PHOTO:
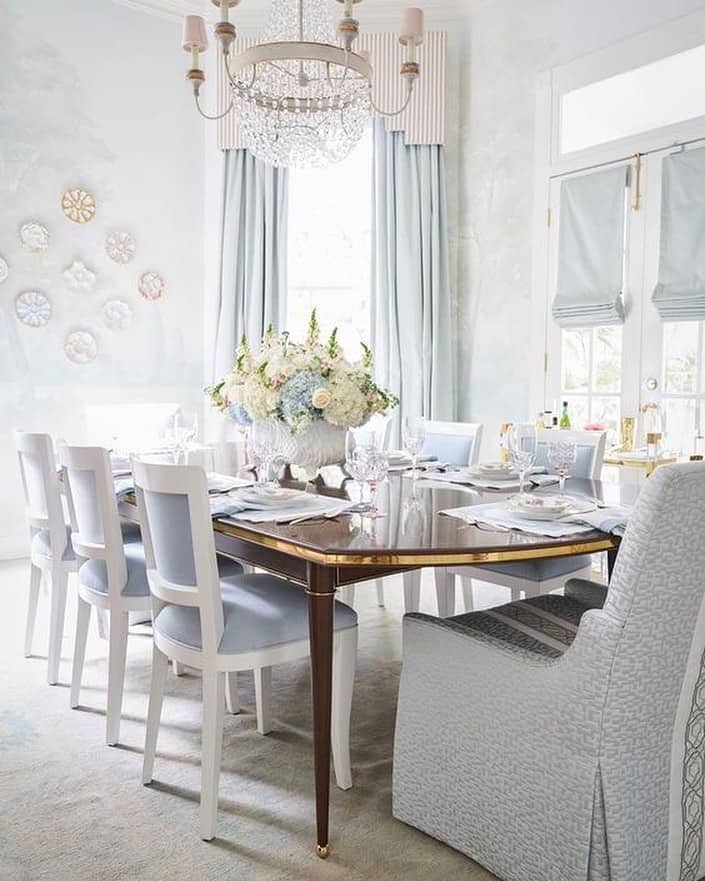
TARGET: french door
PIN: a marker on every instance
(608, 372)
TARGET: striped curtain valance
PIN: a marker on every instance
(423, 121)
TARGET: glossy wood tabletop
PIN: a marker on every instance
(413, 531)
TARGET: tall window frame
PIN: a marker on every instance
(644, 344)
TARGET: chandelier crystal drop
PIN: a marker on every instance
(302, 95)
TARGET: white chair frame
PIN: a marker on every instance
(42, 494)
(445, 589)
(445, 577)
(112, 551)
(214, 666)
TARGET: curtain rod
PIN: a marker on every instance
(676, 145)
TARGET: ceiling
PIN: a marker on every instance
(253, 13)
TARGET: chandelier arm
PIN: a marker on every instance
(213, 116)
(393, 112)
(231, 79)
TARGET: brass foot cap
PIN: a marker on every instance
(322, 851)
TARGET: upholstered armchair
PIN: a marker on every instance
(559, 739)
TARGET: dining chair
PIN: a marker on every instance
(560, 738)
(112, 578)
(222, 625)
(533, 577)
(457, 443)
(113, 575)
(51, 555)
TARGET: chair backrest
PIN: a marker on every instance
(179, 546)
(457, 443)
(95, 521)
(42, 490)
(589, 455)
(652, 740)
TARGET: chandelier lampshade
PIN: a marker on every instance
(301, 94)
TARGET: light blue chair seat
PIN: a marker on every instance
(541, 570)
(93, 574)
(41, 544)
(260, 611)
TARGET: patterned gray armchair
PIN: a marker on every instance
(554, 740)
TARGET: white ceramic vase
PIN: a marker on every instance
(319, 444)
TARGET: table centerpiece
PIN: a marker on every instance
(308, 391)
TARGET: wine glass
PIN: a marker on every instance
(522, 449)
(260, 448)
(561, 457)
(375, 466)
(413, 438)
(355, 463)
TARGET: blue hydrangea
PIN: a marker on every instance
(296, 394)
(239, 415)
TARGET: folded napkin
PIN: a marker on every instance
(500, 515)
(323, 506)
(123, 487)
(222, 483)
(465, 478)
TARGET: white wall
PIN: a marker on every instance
(94, 96)
(508, 43)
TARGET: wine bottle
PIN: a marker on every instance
(565, 416)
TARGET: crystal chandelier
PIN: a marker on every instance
(302, 97)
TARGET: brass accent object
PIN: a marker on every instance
(197, 77)
(322, 851)
(627, 433)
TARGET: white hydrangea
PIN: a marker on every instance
(348, 406)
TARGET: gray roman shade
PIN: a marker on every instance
(680, 292)
(591, 249)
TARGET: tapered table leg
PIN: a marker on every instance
(611, 560)
(321, 592)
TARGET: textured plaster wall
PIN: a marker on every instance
(94, 97)
(508, 42)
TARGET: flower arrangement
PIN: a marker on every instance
(301, 384)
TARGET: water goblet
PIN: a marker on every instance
(522, 449)
(376, 467)
(413, 438)
(355, 463)
(561, 457)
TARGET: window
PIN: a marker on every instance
(591, 375)
(649, 97)
(683, 389)
(330, 212)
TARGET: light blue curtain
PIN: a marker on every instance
(251, 290)
(412, 327)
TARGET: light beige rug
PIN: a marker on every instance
(73, 809)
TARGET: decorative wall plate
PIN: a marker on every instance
(34, 236)
(117, 314)
(4, 270)
(80, 346)
(120, 246)
(79, 277)
(33, 308)
(151, 285)
(78, 205)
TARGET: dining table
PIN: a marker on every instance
(325, 553)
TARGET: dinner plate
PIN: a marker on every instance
(494, 474)
(273, 497)
(547, 511)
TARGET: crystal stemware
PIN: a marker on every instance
(261, 449)
(561, 457)
(522, 449)
(355, 463)
(413, 438)
(376, 467)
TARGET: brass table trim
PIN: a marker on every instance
(394, 558)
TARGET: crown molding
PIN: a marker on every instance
(253, 13)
